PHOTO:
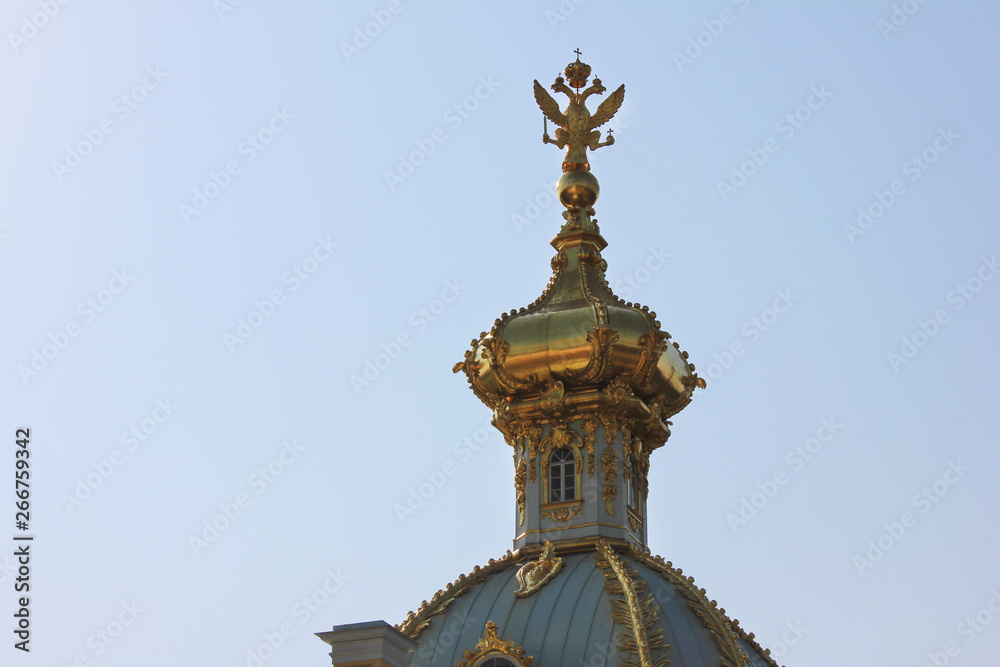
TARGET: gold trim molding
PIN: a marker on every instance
(416, 622)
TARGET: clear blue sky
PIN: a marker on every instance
(215, 215)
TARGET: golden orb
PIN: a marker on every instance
(578, 188)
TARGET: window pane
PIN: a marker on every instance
(562, 475)
(497, 662)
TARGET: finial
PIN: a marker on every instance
(577, 130)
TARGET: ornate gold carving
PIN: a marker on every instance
(619, 391)
(644, 472)
(519, 489)
(491, 643)
(636, 614)
(535, 574)
(471, 369)
(495, 351)
(561, 436)
(579, 219)
(601, 340)
(533, 433)
(558, 261)
(626, 459)
(609, 473)
(577, 127)
(600, 307)
(552, 399)
(416, 621)
(708, 611)
(652, 345)
(589, 427)
(694, 381)
(634, 521)
(614, 415)
(562, 514)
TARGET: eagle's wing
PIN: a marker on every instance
(549, 106)
(608, 108)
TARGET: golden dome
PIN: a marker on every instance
(578, 338)
(578, 346)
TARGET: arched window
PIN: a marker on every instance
(562, 476)
(497, 661)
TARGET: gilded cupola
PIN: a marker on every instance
(581, 385)
(579, 357)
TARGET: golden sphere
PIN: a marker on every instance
(578, 188)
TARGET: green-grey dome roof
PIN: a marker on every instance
(582, 615)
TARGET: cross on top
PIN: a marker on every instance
(578, 54)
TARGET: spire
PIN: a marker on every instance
(580, 382)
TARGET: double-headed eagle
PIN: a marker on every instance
(576, 130)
